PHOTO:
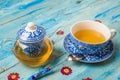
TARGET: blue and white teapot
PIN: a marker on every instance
(30, 39)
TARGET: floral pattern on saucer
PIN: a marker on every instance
(102, 55)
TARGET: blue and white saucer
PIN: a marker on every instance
(100, 56)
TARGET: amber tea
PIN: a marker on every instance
(89, 36)
(34, 61)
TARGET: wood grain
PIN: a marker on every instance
(54, 15)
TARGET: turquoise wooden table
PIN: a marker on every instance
(57, 16)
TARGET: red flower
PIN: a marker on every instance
(98, 21)
(87, 78)
(13, 76)
(66, 70)
(60, 32)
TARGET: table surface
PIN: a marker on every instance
(57, 16)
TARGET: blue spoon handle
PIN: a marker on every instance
(44, 71)
(40, 73)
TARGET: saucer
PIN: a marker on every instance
(100, 56)
(34, 61)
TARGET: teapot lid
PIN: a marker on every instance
(31, 33)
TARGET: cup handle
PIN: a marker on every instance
(113, 33)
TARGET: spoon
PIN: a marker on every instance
(47, 69)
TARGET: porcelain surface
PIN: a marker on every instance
(32, 36)
(101, 55)
(30, 39)
(76, 47)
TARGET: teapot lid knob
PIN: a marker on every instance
(30, 27)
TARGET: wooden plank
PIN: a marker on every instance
(56, 15)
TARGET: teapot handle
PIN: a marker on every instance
(7, 44)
